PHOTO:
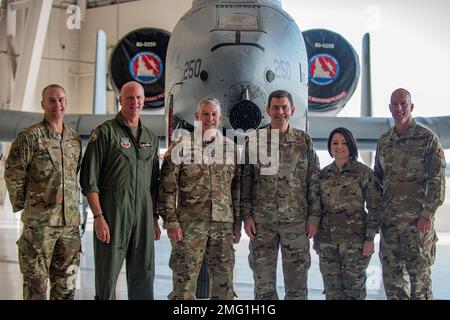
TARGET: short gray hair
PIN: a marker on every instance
(402, 91)
(209, 100)
(52, 86)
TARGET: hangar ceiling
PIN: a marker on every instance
(89, 3)
(102, 3)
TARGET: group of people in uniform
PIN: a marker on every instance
(204, 193)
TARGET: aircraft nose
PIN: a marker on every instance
(245, 115)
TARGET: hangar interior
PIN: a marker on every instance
(68, 46)
(42, 42)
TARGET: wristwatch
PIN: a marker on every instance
(98, 215)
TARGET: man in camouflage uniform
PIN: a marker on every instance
(199, 204)
(119, 176)
(281, 208)
(41, 177)
(350, 195)
(410, 163)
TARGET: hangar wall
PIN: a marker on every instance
(68, 56)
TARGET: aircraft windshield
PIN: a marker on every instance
(238, 21)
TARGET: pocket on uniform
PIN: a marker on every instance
(29, 251)
(192, 170)
(427, 244)
(43, 195)
(414, 167)
(227, 172)
(145, 154)
(300, 169)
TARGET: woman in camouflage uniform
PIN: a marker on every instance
(347, 229)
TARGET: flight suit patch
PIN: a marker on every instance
(125, 143)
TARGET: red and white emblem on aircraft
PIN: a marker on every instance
(323, 69)
(146, 67)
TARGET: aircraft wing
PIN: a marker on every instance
(367, 130)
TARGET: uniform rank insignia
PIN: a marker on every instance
(93, 136)
(125, 142)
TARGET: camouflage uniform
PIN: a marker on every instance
(203, 199)
(281, 205)
(345, 224)
(41, 177)
(123, 170)
(411, 167)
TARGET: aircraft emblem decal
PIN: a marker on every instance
(146, 67)
(323, 69)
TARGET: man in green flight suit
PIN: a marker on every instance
(119, 174)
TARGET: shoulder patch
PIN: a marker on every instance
(94, 136)
(440, 153)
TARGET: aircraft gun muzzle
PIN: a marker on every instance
(245, 115)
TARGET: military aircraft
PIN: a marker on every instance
(239, 52)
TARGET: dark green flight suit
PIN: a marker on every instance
(124, 172)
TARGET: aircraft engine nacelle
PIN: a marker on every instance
(333, 70)
(239, 54)
(140, 56)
